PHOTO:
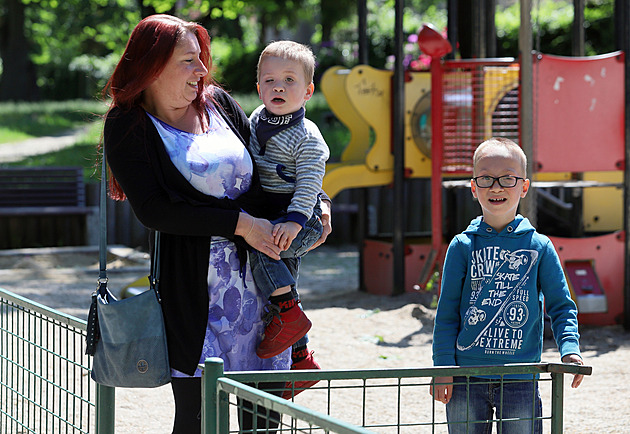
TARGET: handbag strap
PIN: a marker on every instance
(154, 279)
(102, 276)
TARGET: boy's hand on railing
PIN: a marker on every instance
(442, 389)
(574, 358)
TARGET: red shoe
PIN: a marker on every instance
(284, 329)
(291, 390)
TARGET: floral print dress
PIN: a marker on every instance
(217, 163)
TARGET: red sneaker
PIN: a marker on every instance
(284, 329)
(291, 390)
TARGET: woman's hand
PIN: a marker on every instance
(326, 223)
(258, 234)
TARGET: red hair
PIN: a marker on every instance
(148, 50)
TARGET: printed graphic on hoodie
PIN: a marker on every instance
(498, 303)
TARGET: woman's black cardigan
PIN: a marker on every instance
(164, 200)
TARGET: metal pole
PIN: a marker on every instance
(363, 41)
(105, 409)
(451, 28)
(577, 40)
(398, 126)
(557, 399)
(363, 192)
(624, 38)
(210, 417)
(528, 204)
(490, 28)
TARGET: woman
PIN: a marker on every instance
(175, 145)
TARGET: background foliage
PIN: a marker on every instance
(68, 48)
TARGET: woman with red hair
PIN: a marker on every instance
(175, 143)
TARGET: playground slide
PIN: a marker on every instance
(362, 99)
(339, 86)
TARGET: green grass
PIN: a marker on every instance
(24, 120)
(84, 154)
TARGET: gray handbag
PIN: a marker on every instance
(127, 337)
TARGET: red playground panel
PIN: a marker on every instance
(579, 113)
(378, 265)
(605, 253)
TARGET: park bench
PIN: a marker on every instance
(43, 206)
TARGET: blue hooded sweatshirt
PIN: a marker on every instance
(494, 286)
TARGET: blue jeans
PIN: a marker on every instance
(478, 400)
(270, 274)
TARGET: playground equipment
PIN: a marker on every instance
(361, 98)
(579, 129)
(578, 156)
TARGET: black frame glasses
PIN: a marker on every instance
(505, 181)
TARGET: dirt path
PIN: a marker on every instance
(351, 330)
(16, 151)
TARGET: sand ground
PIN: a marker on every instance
(351, 330)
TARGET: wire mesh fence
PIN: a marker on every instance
(45, 384)
(381, 401)
(45, 387)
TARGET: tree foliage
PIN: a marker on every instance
(552, 21)
(61, 49)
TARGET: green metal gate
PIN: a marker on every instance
(374, 400)
(45, 384)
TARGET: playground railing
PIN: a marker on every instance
(45, 384)
(371, 400)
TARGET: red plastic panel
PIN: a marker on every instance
(579, 113)
(606, 252)
(378, 265)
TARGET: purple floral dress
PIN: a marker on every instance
(217, 163)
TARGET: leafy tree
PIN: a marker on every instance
(60, 49)
(18, 81)
(552, 22)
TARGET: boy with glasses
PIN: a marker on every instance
(498, 274)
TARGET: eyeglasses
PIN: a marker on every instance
(505, 181)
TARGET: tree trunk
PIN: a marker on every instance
(18, 81)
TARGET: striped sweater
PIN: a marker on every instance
(298, 153)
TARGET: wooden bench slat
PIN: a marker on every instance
(41, 187)
(47, 210)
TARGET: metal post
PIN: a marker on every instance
(490, 28)
(577, 39)
(398, 126)
(105, 409)
(363, 192)
(557, 396)
(624, 39)
(210, 413)
(437, 152)
(363, 40)
(528, 204)
(452, 16)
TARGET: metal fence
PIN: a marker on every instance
(45, 387)
(45, 384)
(382, 401)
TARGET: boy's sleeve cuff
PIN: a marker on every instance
(444, 361)
(570, 348)
(297, 217)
